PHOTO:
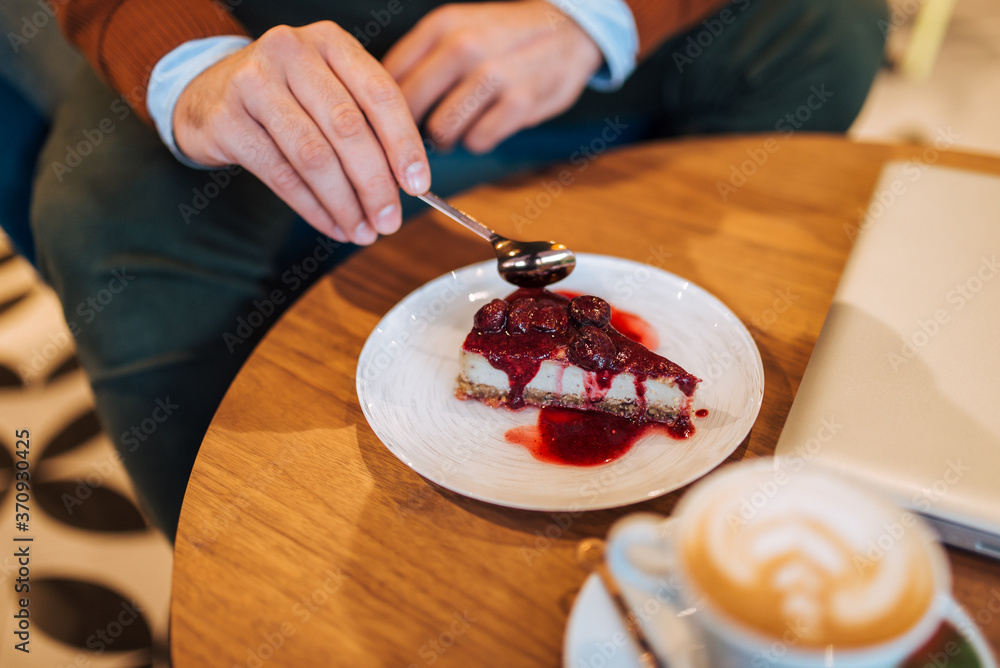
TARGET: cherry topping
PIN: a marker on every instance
(520, 316)
(491, 317)
(550, 319)
(590, 310)
(592, 349)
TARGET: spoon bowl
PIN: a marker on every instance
(533, 264)
(526, 264)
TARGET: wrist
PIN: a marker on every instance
(183, 119)
(611, 26)
(172, 76)
(586, 50)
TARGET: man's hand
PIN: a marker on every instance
(318, 120)
(491, 69)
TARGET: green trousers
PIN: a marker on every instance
(162, 269)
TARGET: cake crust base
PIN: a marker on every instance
(494, 397)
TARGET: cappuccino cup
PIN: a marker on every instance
(777, 568)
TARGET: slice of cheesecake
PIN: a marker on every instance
(539, 348)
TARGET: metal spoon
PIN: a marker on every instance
(526, 264)
(590, 557)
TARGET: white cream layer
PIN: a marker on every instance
(560, 379)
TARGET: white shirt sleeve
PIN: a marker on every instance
(612, 27)
(174, 72)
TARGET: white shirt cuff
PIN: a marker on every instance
(612, 27)
(174, 72)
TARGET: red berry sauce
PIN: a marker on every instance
(580, 438)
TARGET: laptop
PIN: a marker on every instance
(903, 386)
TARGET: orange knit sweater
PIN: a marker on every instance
(124, 39)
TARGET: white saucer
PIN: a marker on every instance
(596, 635)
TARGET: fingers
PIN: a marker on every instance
(313, 161)
(343, 144)
(320, 122)
(523, 103)
(261, 156)
(385, 109)
(415, 44)
(434, 76)
(499, 99)
(463, 106)
(511, 114)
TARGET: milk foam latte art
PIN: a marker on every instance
(808, 557)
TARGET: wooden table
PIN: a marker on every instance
(304, 542)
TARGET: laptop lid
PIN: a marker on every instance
(903, 386)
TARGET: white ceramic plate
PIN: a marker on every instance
(408, 368)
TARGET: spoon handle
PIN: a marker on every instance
(590, 555)
(460, 216)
